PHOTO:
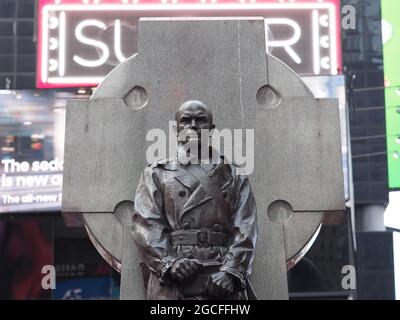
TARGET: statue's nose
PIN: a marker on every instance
(193, 125)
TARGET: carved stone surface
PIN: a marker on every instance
(222, 62)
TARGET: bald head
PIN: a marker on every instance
(194, 115)
(193, 106)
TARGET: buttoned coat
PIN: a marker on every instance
(169, 199)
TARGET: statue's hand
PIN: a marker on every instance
(184, 269)
(220, 284)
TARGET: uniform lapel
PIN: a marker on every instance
(198, 194)
(222, 173)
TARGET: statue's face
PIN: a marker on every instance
(194, 115)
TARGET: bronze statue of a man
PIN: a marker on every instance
(195, 224)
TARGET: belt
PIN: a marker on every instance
(200, 237)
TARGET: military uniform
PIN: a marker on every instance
(183, 214)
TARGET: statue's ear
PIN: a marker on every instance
(211, 131)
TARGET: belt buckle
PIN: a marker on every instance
(202, 237)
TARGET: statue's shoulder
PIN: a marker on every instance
(230, 163)
(166, 164)
(237, 170)
(158, 163)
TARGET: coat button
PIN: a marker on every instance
(182, 193)
(186, 225)
(217, 227)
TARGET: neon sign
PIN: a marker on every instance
(80, 41)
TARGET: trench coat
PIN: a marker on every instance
(169, 199)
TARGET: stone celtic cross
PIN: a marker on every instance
(221, 61)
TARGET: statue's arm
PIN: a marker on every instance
(241, 251)
(150, 225)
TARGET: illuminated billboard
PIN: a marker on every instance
(32, 125)
(391, 53)
(81, 41)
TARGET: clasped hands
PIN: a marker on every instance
(220, 284)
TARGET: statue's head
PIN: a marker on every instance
(194, 122)
(194, 115)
